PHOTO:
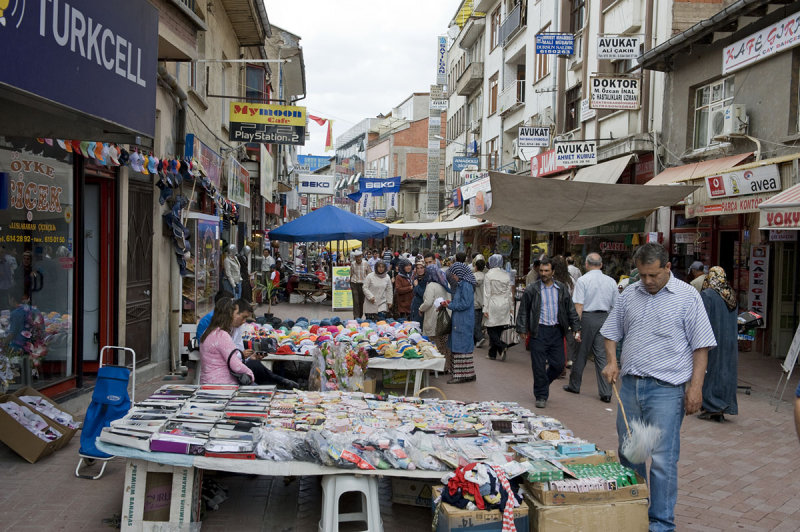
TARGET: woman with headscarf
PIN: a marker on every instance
(377, 292)
(478, 266)
(497, 300)
(403, 288)
(719, 386)
(232, 278)
(462, 284)
(419, 291)
(436, 287)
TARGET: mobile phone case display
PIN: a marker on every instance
(202, 280)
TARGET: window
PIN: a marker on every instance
(576, 10)
(542, 68)
(256, 79)
(495, 28)
(708, 116)
(573, 108)
(493, 94)
(491, 151)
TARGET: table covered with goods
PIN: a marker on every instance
(484, 462)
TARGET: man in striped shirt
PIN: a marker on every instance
(546, 315)
(666, 336)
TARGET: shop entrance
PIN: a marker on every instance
(728, 251)
(784, 309)
(138, 308)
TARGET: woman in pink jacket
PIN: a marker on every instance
(216, 345)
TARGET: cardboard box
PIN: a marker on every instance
(21, 440)
(63, 429)
(370, 384)
(630, 516)
(414, 492)
(451, 519)
(559, 498)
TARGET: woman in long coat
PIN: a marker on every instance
(497, 300)
(435, 287)
(719, 386)
(403, 287)
(420, 283)
(377, 292)
(462, 283)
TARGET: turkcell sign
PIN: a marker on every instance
(613, 93)
(618, 46)
(268, 124)
(319, 184)
(460, 163)
(576, 153)
(555, 43)
(743, 182)
(441, 60)
(88, 55)
(533, 137)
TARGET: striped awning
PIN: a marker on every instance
(781, 211)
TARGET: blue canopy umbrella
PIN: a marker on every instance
(326, 224)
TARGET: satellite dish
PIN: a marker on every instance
(453, 31)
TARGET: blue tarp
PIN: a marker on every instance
(327, 224)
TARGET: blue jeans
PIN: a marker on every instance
(660, 404)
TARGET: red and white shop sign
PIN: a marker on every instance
(788, 218)
(733, 206)
(545, 164)
(744, 182)
(759, 281)
(613, 246)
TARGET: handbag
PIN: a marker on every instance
(510, 335)
(243, 379)
(444, 323)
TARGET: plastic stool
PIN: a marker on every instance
(334, 486)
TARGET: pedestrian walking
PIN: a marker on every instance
(595, 295)
(403, 289)
(697, 275)
(719, 386)
(497, 300)
(436, 287)
(546, 315)
(573, 270)
(561, 273)
(266, 265)
(359, 269)
(462, 343)
(378, 295)
(666, 336)
(420, 283)
(478, 267)
(232, 278)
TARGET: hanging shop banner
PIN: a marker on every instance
(731, 206)
(315, 184)
(533, 137)
(743, 182)
(270, 124)
(94, 57)
(210, 160)
(759, 281)
(505, 240)
(481, 203)
(458, 200)
(439, 105)
(238, 182)
(587, 113)
(778, 235)
(266, 173)
(460, 163)
(613, 246)
(624, 227)
(576, 153)
(775, 38)
(471, 177)
(537, 250)
(314, 162)
(379, 187)
(555, 43)
(607, 92)
(470, 190)
(342, 296)
(441, 60)
(546, 164)
(618, 46)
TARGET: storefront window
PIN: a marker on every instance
(36, 263)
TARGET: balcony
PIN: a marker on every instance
(483, 5)
(473, 29)
(623, 16)
(470, 80)
(512, 97)
(511, 25)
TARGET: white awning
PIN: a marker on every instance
(461, 223)
(781, 211)
(554, 205)
(607, 172)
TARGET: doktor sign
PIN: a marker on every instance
(607, 92)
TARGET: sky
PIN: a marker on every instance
(362, 57)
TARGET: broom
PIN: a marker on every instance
(642, 438)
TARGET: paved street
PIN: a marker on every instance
(737, 475)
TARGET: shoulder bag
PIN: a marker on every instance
(243, 379)
(444, 323)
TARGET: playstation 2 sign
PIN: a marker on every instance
(267, 124)
(93, 56)
(319, 184)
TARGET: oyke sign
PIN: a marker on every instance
(577, 153)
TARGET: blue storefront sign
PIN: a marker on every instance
(314, 162)
(457, 201)
(555, 43)
(96, 56)
(459, 163)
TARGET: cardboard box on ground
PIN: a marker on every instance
(452, 519)
(414, 492)
(66, 431)
(20, 439)
(630, 516)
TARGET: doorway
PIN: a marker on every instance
(783, 316)
(728, 251)
(138, 308)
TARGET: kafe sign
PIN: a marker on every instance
(90, 56)
(533, 137)
(759, 281)
(576, 153)
(546, 164)
(319, 184)
(614, 93)
(775, 38)
(618, 46)
(742, 182)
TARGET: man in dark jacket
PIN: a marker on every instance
(546, 315)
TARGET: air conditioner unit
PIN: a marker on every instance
(735, 119)
(515, 148)
(475, 125)
(716, 123)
